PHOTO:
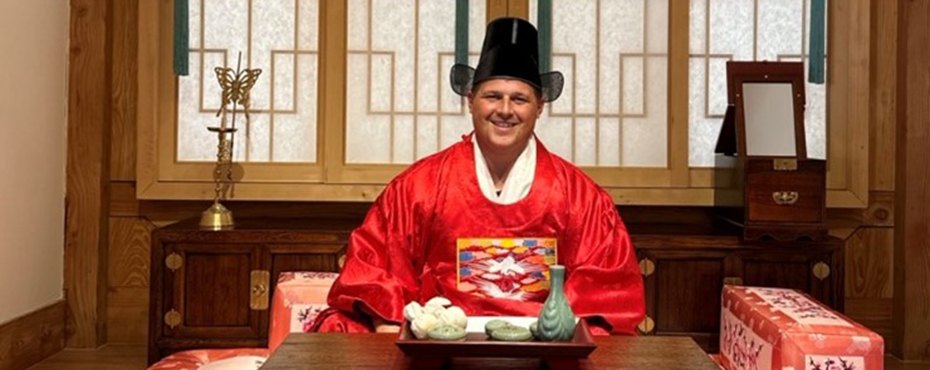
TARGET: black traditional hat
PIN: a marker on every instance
(511, 50)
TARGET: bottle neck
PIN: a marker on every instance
(556, 279)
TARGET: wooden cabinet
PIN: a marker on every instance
(779, 198)
(212, 289)
(209, 293)
(761, 164)
(684, 276)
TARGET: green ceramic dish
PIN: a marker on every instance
(512, 334)
(446, 332)
(534, 328)
(494, 325)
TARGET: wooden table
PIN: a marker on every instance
(378, 351)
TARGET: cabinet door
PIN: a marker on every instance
(210, 292)
(683, 292)
(809, 271)
(776, 270)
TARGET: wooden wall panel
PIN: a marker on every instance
(130, 235)
(879, 212)
(858, 103)
(128, 315)
(870, 249)
(875, 314)
(123, 202)
(870, 232)
(128, 291)
(869, 263)
(837, 48)
(130, 239)
(87, 175)
(884, 94)
(124, 40)
(32, 337)
(912, 189)
(881, 208)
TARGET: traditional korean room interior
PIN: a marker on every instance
(465, 184)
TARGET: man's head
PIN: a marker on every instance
(504, 113)
(506, 92)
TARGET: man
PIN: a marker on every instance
(479, 222)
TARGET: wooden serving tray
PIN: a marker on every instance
(480, 345)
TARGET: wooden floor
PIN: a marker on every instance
(132, 357)
(109, 357)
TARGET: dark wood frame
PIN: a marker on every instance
(479, 345)
(378, 351)
(767, 72)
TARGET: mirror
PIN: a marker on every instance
(768, 100)
(769, 117)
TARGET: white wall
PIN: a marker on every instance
(33, 128)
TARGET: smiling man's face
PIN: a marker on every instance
(504, 114)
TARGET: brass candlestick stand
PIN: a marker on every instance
(236, 86)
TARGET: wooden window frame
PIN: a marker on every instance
(161, 176)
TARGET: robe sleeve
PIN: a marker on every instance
(378, 276)
(603, 282)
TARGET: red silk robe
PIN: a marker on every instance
(406, 248)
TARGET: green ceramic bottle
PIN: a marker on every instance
(556, 319)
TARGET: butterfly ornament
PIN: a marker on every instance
(236, 87)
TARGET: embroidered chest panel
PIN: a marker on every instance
(508, 268)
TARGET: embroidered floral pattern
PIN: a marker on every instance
(798, 307)
(306, 275)
(306, 316)
(743, 353)
(742, 348)
(834, 363)
(507, 268)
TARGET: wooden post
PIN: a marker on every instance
(496, 9)
(88, 169)
(911, 312)
(519, 9)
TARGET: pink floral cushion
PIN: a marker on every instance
(773, 329)
(214, 359)
(298, 300)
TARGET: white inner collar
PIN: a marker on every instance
(518, 182)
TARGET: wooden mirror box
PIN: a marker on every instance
(765, 182)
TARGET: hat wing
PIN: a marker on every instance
(551, 84)
(461, 77)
